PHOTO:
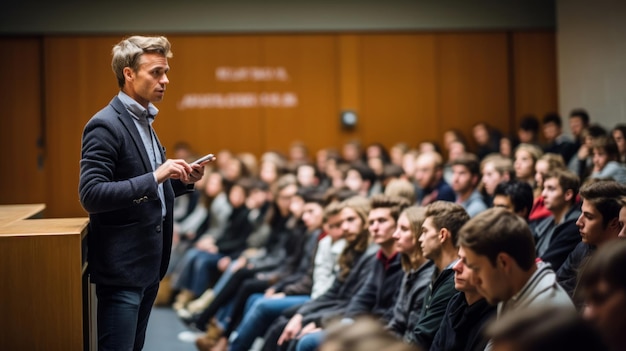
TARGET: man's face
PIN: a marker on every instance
(312, 215)
(405, 242)
(381, 226)
(425, 172)
(554, 198)
(333, 227)
(622, 222)
(148, 83)
(590, 225)
(463, 279)
(551, 131)
(600, 158)
(462, 179)
(576, 126)
(488, 279)
(353, 180)
(605, 307)
(503, 201)
(491, 178)
(430, 239)
(351, 224)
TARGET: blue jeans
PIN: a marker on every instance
(197, 272)
(259, 316)
(122, 316)
(311, 342)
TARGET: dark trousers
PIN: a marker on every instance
(122, 316)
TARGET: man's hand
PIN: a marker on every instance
(291, 330)
(197, 172)
(174, 169)
(309, 328)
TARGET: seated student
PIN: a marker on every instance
(466, 316)
(429, 177)
(495, 169)
(360, 178)
(619, 136)
(500, 251)
(556, 141)
(544, 328)
(546, 163)
(296, 268)
(264, 308)
(465, 177)
(379, 293)
(418, 271)
(514, 196)
(438, 240)
(622, 217)
(557, 235)
(582, 162)
(605, 160)
(205, 265)
(603, 285)
(598, 225)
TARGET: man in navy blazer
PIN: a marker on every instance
(128, 187)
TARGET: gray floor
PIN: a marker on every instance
(163, 329)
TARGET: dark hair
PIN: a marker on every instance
(567, 179)
(497, 230)
(545, 328)
(529, 123)
(449, 215)
(607, 264)
(580, 113)
(520, 193)
(552, 117)
(596, 130)
(469, 161)
(364, 171)
(395, 204)
(608, 145)
(604, 196)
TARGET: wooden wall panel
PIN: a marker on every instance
(193, 72)
(399, 99)
(473, 80)
(534, 74)
(310, 61)
(78, 83)
(21, 177)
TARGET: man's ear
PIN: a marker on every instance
(614, 225)
(569, 195)
(504, 261)
(128, 73)
(444, 234)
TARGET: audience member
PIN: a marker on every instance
(582, 162)
(466, 174)
(557, 235)
(500, 251)
(524, 163)
(438, 240)
(544, 328)
(494, 169)
(487, 139)
(466, 316)
(528, 131)
(418, 272)
(429, 177)
(556, 141)
(514, 196)
(598, 224)
(578, 121)
(605, 164)
(547, 163)
(603, 285)
(619, 136)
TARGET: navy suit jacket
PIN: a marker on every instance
(129, 241)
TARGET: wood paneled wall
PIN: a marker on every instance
(405, 87)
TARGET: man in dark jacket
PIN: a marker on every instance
(557, 235)
(466, 316)
(439, 232)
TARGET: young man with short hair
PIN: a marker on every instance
(438, 240)
(557, 235)
(515, 196)
(500, 250)
(598, 224)
(465, 177)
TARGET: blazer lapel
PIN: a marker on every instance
(126, 120)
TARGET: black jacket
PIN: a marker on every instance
(564, 237)
(408, 307)
(462, 326)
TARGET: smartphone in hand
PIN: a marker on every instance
(203, 159)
